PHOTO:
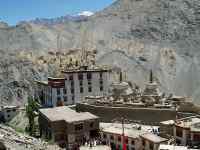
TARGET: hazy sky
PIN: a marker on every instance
(13, 11)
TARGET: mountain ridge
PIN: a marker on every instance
(162, 35)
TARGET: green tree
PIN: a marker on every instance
(31, 112)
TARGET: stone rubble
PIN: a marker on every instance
(19, 141)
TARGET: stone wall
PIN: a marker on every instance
(145, 115)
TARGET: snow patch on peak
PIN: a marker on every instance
(86, 13)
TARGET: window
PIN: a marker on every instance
(65, 98)
(8, 111)
(143, 142)
(127, 147)
(112, 137)
(14, 110)
(91, 124)
(104, 136)
(58, 91)
(179, 132)
(65, 91)
(80, 76)
(151, 146)
(89, 82)
(89, 76)
(78, 127)
(72, 90)
(72, 83)
(101, 81)
(89, 89)
(133, 142)
(126, 140)
(71, 77)
(58, 137)
(58, 98)
(101, 88)
(119, 138)
(81, 83)
(81, 89)
(196, 137)
(100, 74)
(73, 98)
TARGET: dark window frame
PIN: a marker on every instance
(91, 124)
(100, 81)
(78, 127)
(58, 91)
(71, 77)
(89, 75)
(81, 90)
(119, 138)
(73, 98)
(111, 137)
(58, 98)
(133, 142)
(151, 146)
(81, 82)
(89, 89)
(80, 76)
(65, 98)
(72, 90)
(72, 83)
(104, 136)
(100, 75)
(64, 91)
(101, 88)
(89, 82)
(126, 140)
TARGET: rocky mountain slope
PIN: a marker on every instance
(135, 35)
(10, 139)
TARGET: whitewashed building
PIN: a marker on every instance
(73, 87)
(135, 137)
(187, 131)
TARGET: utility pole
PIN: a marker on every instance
(123, 136)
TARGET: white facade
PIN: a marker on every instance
(115, 140)
(173, 147)
(81, 84)
(73, 88)
(187, 131)
(181, 139)
(148, 145)
(135, 138)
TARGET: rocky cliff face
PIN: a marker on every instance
(135, 35)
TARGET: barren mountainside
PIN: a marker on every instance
(135, 35)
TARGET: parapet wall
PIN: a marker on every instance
(145, 115)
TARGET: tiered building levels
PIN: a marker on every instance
(73, 87)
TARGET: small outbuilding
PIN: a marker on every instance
(67, 127)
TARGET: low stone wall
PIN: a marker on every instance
(145, 115)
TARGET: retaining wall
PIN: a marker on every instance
(145, 115)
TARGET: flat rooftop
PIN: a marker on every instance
(153, 138)
(99, 147)
(172, 147)
(81, 69)
(42, 82)
(168, 122)
(67, 114)
(189, 122)
(130, 130)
